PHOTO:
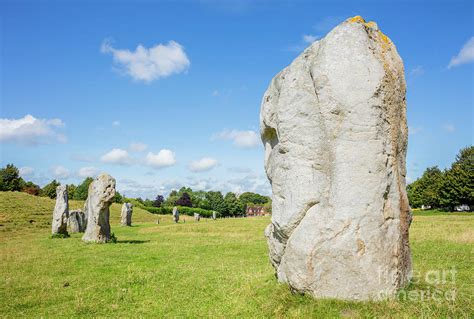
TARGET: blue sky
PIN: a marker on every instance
(183, 108)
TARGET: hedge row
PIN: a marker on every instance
(183, 210)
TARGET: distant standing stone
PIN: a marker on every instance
(127, 210)
(197, 217)
(77, 221)
(61, 211)
(175, 214)
(101, 193)
(214, 215)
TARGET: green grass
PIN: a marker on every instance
(211, 269)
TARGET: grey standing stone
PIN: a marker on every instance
(126, 215)
(175, 214)
(61, 211)
(333, 124)
(197, 217)
(99, 199)
(77, 221)
(214, 215)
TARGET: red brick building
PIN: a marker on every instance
(255, 211)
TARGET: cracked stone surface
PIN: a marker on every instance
(96, 209)
(61, 211)
(126, 214)
(333, 124)
(77, 221)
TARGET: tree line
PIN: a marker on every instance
(446, 189)
(229, 204)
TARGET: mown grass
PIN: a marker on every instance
(211, 269)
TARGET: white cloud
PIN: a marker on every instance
(159, 61)
(117, 156)
(162, 159)
(88, 171)
(60, 172)
(203, 164)
(309, 38)
(138, 147)
(466, 55)
(26, 171)
(242, 139)
(31, 131)
(116, 123)
(449, 128)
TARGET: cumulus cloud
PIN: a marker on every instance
(161, 159)
(60, 172)
(26, 171)
(242, 139)
(31, 131)
(137, 147)
(88, 171)
(203, 164)
(148, 64)
(466, 55)
(117, 156)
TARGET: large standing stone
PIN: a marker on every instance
(101, 193)
(77, 221)
(175, 214)
(127, 210)
(61, 211)
(334, 128)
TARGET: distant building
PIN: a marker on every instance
(255, 211)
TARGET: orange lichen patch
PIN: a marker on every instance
(371, 24)
(356, 19)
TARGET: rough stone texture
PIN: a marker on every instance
(77, 221)
(126, 216)
(61, 211)
(101, 193)
(175, 214)
(333, 124)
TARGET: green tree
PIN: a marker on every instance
(118, 198)
(215, 201)
(83, 189)
(49, 190)
(233, 206)
(425, 190)
(10, 179)
(253, 198)
(71, 189)
(457, 186)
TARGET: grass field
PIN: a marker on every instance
(211, 268)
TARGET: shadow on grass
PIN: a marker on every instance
(133, 241)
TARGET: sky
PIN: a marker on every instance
(164, 94)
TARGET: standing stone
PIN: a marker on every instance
(61, 211)
(77, 221)
(99, 199)
(175, 214)
(334, 128)
(214, 215)
(197, 217)
(127, 210)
